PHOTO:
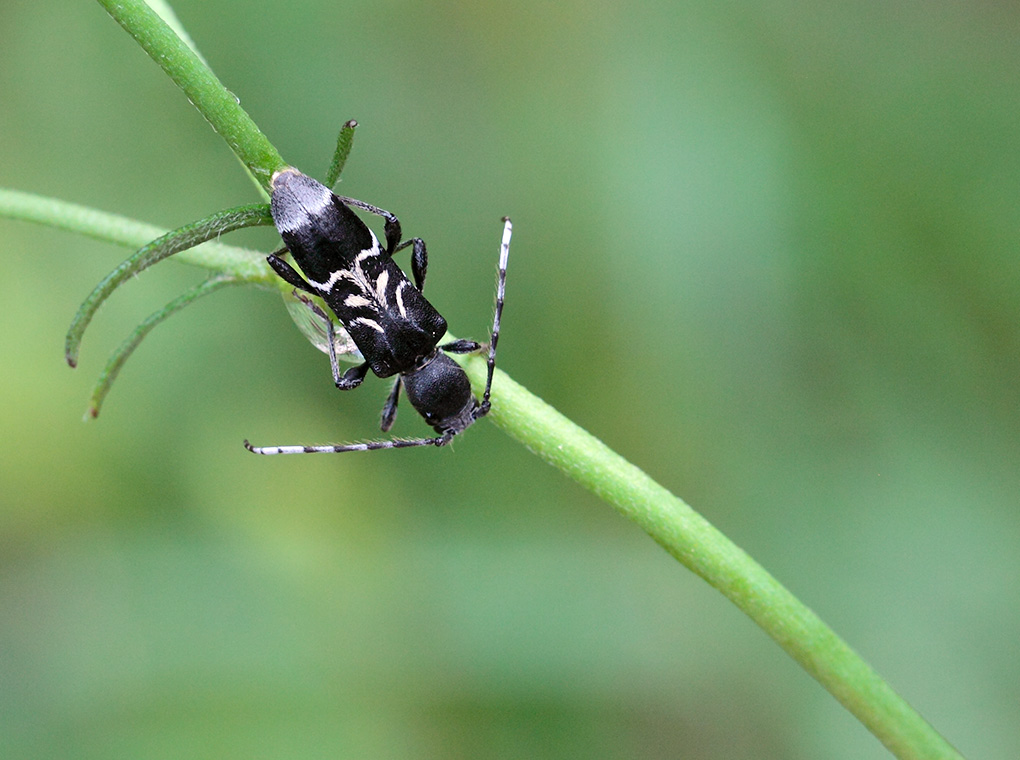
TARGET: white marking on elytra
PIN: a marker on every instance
(400, 298)
(334, 276)
(357, 275)
(356, 301)
(368, 323)
(380, 287)
(368, 253)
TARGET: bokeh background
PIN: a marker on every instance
(767, 251)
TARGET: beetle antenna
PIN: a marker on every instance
(504, 254)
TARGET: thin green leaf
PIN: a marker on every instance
(344, 141)
(124, 351)
(173, 242)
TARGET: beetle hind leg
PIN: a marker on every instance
(389, 412)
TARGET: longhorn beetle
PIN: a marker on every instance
(396, 330)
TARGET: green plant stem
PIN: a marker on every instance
(169, 15)
(703, 549)
(219, 106)
(241, 264)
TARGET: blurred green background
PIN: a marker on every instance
(767, 251)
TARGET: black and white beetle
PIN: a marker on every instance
(396, 330)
